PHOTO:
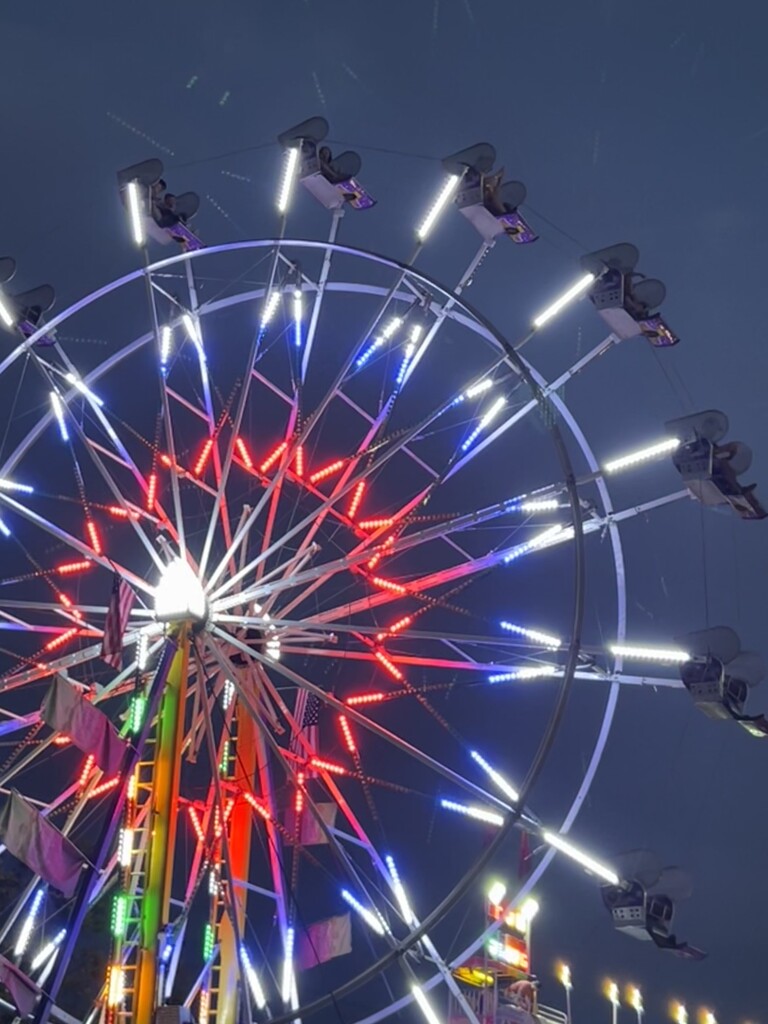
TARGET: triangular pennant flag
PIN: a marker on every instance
(310, 832)
(325, 940)
(67, 711)
(37, 843)
(23, 990)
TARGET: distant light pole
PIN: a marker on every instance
(679, 1013)
(565, 979)
(612, 994)
(635, 1000)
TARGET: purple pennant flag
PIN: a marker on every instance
(23, 990)
(34, 841)
(325, 940)
(68, 712)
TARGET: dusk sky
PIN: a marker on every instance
(644, 123)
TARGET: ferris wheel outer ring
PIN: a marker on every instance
(475, 320)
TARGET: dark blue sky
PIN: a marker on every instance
(639, 122)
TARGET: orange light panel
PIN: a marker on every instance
(93, 536)
(243, 452)
(393, 670)
(374, 524)
(151, 491)
(365, 698)
(270, 460)
(357, 497)
(203, 457)
(68, 568)
(346, 732)
(61, 639)
(327, 471)
(327, 766)
(396, 588)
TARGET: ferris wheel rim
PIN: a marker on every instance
(479, 321)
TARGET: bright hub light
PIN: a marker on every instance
(134, 212)
(533, 634)
(559, 304)
(672, 655)
(424, 1005)
(179, 595)
(5, 313)
(446, 192)
(612, 993)
(642, 455)
(289, 176)
(564, 975)
(586, 861)
(496, 777)
(496, 893)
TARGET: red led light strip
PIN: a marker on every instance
(327, 471)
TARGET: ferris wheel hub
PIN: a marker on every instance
(180, 595)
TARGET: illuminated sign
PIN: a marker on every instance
(509, 950)
(474, 976)
(514, 919)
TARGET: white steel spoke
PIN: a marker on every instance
(320, 293)
(303, 598)
(367, 723)
(533, 403)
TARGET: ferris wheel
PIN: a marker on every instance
(288, 569)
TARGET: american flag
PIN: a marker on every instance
(120, 604)
(306, 712)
